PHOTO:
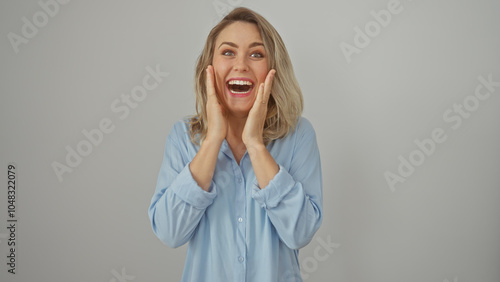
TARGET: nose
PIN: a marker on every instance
(240, 64)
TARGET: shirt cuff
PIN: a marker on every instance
(271, 195)
(186, 188)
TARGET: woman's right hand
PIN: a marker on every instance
(216, 116)
(203, 164)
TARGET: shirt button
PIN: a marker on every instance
(239, 180)
(240, 219)
(241, 259)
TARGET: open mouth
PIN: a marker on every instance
(239, 86)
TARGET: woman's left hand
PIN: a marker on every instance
(254, 126)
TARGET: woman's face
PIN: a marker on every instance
(240, 66)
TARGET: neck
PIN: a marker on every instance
(235, 128)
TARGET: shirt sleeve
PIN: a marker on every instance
(293, 198)
(179, 202)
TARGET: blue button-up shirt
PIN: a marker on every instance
(237, 231)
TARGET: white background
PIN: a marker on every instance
(442, 223)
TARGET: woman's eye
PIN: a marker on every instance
(257, 55)
(228, 53)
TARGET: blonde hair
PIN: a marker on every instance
(285, 103)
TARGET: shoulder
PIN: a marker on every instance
(304, 123)
(180, 131)
(304, 127)
(302, 133)
(181, 126)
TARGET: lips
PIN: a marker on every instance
(239, 86)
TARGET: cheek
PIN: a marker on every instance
(220, 72)
(219, 68)
(219, 62)
(220, 83)
(261, 72)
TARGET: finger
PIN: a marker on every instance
(260, 94)
(210, 81)
(211, 91)
(268, 85)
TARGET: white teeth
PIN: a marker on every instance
(238, 92)
(239, 82)
(235, 89)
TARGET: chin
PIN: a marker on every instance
(240, 109)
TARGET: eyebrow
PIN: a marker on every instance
(254, 44)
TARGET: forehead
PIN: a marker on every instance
(241, 33)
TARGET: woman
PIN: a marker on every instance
(241, 180)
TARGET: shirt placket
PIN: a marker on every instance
(240, 219)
